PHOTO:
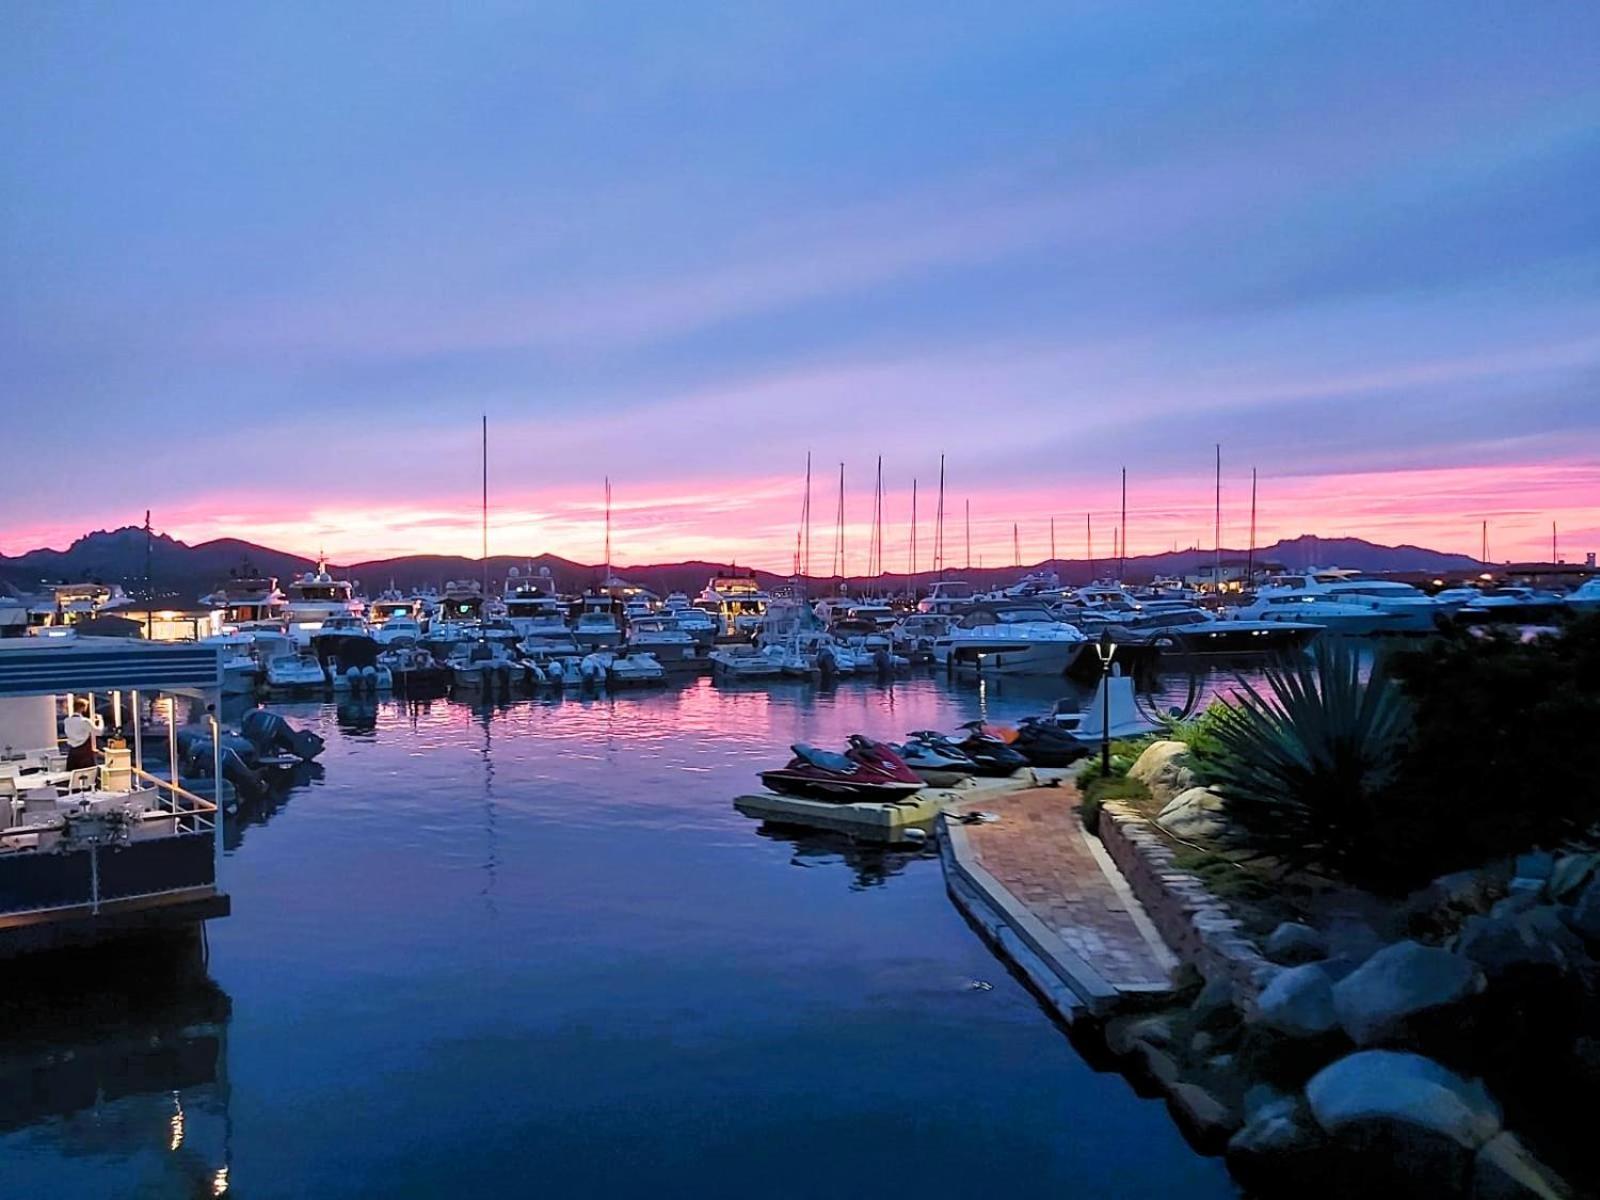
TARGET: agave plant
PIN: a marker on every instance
(1306, 765)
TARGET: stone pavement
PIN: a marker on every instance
(1051, 879)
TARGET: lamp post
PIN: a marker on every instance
(1105, 649)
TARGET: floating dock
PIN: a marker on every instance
(907, 820)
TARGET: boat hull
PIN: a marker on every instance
(790, 783)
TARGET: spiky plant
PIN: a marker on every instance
(1306, 765)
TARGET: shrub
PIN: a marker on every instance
(1306, 770)
(1097, 791)
(1500, 755)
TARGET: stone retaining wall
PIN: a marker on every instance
(1198, 926)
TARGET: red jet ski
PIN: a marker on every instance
(868, 770)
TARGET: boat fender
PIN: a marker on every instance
(915, 836)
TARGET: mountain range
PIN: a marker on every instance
(179, 570)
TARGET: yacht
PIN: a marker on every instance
(1299, 607)
(630, 669)
(1407, 609)
(529, 597)
(947, 597)
(1010, 639)
(1189, 630)
(315, 597)
(482, 666)
(597, 627)
(658, 634)
(1512, 604)
(1585, 597)
(240, 669)
(393, 606)
(738, 601)
(699, 624)
(249, 600)
(913, 635)
(295, 670)
(398, 631)
(739, 661)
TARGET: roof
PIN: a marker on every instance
(45, 666)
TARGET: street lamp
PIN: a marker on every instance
(1105, 649)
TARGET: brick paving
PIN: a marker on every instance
(1039, 852)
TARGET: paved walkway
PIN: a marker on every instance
(1053, 882)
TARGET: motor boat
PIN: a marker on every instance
(1294, 607)
(240, 670)
(482, 666)
(1511, 604)
(414, 670)
(936, 759)
(1186, 630)
(392, 606)
(398, 631)
(658, 634)
(914, 634)
(633, 669)
(597, 626)
(739, 661)
(312, 599)
(866, 771)
(737, 601)
(946, 597)
(1010, 639)
(249, 600)
(1585, 597)
(295, 671)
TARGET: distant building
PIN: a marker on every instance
(1234, 574)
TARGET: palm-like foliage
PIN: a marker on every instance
(1307, 765)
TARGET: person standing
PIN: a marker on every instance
(78, 729)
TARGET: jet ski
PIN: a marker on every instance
(868, 770)
(1045, 744)
(989, 750)
(934, 757)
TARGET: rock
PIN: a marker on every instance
(1506, 1171)
(1208, 1120)
(1379, 1000)
(1406, 1122)
(1298, 1003)
(1571, 873)
(1164, 769)
(1124, 1033)
(1534, 941)
(1278, 1151)
(1155, 1064)
(1583, 918)
(1293, 943)
(1202, 1044)
(1213, 1009)
(1195, 814)
(1260, 1097)
(1519, 902)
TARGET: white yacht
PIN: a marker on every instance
(1585, 597)
(392, 606)
(659, 634)
(239, 666)
(398, 631)
(249, 600)
(738, 601)
(482, 665)
(1010, 639)
(1299, 607)
(596, 627)
(315, 597)
(947, 597)
(741, 661)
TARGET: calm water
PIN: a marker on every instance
(533, 950)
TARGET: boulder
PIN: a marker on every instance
(1403, 1121)
(1533, 941)
(1124, 1033)
(1207, 1120)
(1532, 871)
(1196, 813)
(1583, 918)
(1298, 1003)
(1570, 874)
(1279, 1151)
(1214, 1009)
(1382, 999)
(1259, 1097)
(1504, 1170)
(1164, 769)
(1293, 943)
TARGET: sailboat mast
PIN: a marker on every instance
(1052, 540)
(1554, 558)
(875, 547)
(805, 521)
(486, 506)
(838, 529)
(606, 582)
(1016, 546)
(1216, 572)
(938, 525)
(1483, 555)
(1122, 551)
(913, 565)
(1088, 538)
(1250, 559)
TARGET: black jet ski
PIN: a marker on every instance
(992, 754)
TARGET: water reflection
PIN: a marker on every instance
(116, 1055)
(871, 864)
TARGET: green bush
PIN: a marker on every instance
(1306, 770)
(1095, 792)
(1500, 754)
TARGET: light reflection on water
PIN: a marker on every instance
(530, 948)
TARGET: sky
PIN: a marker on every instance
(263, 268)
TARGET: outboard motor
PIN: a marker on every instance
(273, 735)
(198, 760)
(827, 663)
